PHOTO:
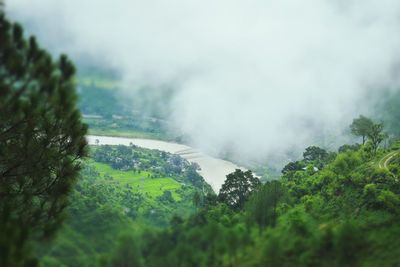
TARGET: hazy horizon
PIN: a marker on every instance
(259, 77)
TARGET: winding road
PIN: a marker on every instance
(383, 162)
(213, 170)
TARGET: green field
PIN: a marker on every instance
(124, 133)
(141, 181)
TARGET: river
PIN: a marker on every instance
(213, 170)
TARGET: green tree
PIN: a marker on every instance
(345, 148)
(166, 197)
(197, 199)
(262, 207)
(127, 253)
(237, 188)
(314, 153)
(376, 136)
(293, 167)
(361, 126)
(348, 243)
(42, 141)
(346, 162)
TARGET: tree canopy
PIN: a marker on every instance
(376, 136)
(361, 126)
(42, 140)
(369, 131)
(262, 206)
(237, 188)
(314, 153)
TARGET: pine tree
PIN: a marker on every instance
(42, 141)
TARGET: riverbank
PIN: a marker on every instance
(213, 170)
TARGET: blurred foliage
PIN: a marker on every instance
(109, 109)
(42, 142)
(345, 214)
(107, 214)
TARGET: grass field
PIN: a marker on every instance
(126, 133)
(142, 181)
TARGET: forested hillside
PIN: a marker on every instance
(327, 209)
(108, 111)
(338, 210)
(122, 191)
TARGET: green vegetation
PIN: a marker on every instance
(122, 191)
(108, 112)
(237, 188)
(118, 118)
(42, 141)
(140, 207)
(344, 213)
(129, 133)
(92, 101)
(141, 179)
(361, 127)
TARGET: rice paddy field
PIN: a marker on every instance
(144, 182)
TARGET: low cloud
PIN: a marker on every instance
(255, 77)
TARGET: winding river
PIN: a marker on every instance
(213, 170)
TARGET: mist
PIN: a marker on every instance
(257, 78)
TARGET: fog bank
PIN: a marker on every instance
(255, 77)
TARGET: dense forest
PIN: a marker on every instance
(65, 203)
(342, 213)
(122, 191)
(327, 209)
